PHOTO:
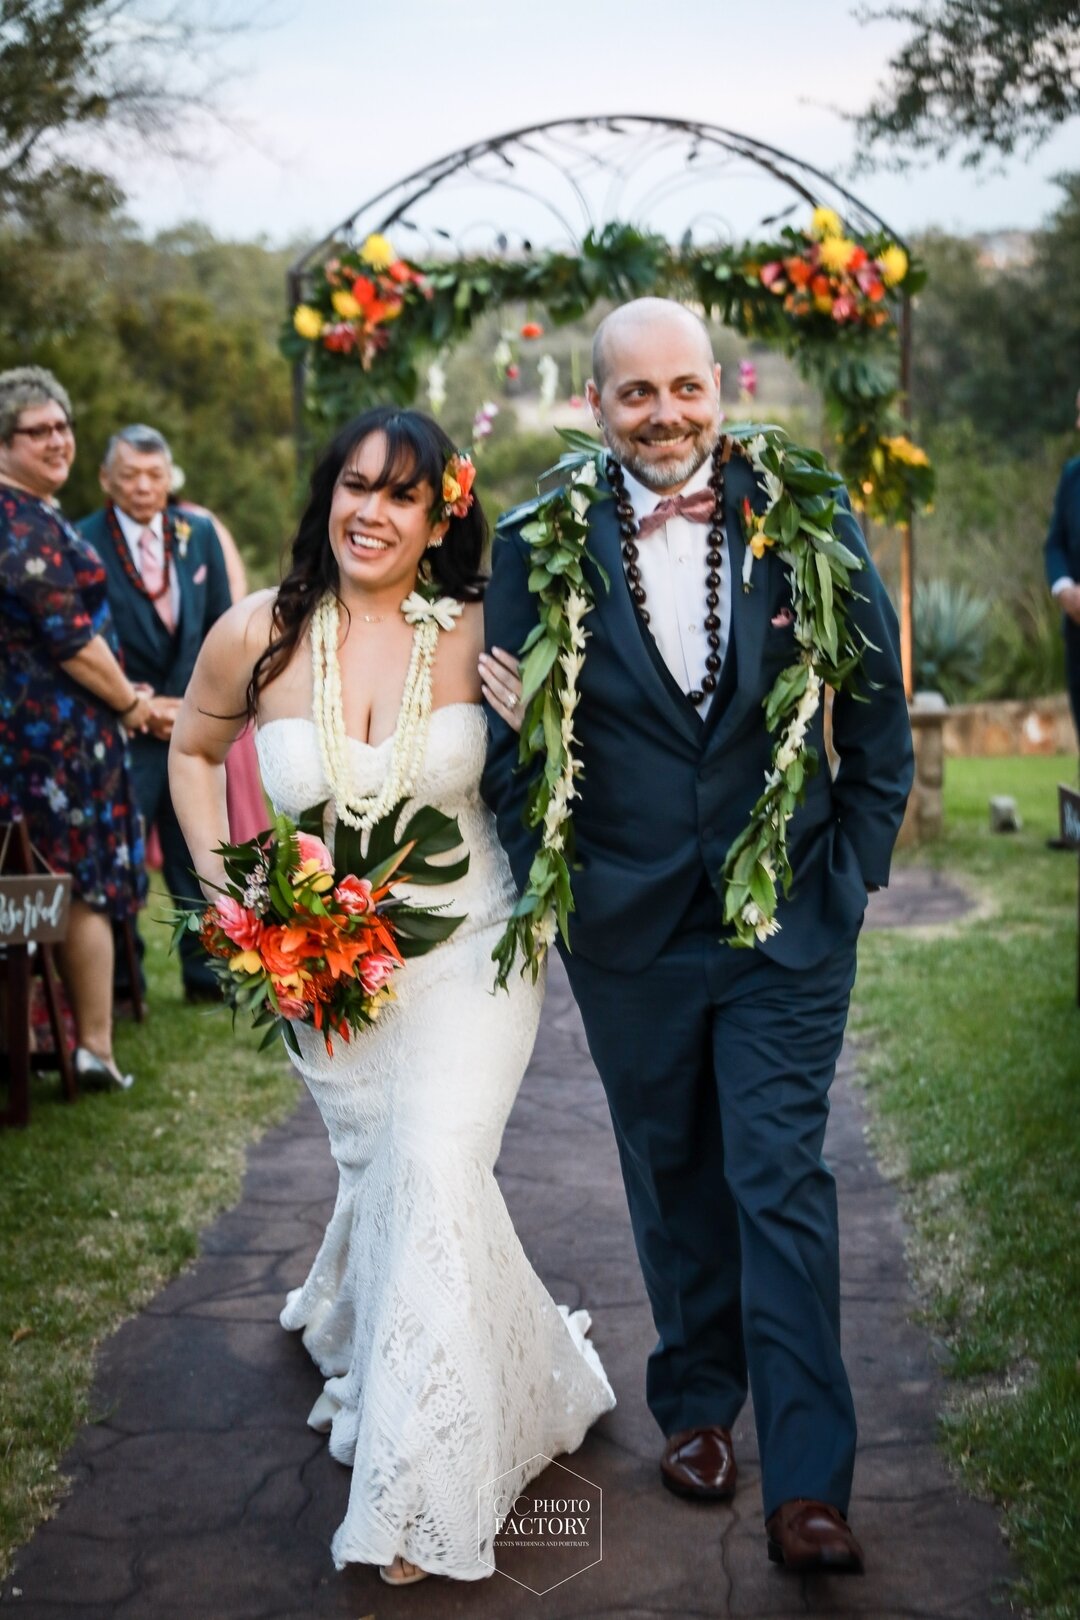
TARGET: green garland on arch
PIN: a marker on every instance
(367, 348)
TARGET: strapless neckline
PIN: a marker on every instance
(358, 742)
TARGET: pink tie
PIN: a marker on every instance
(697, 508)
(155, 579)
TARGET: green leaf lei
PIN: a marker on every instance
(799, 522)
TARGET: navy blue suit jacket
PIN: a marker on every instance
(1063, 536)
(664, 794)
(164, 659)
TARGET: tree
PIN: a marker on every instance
(999, 348)
(96, 71)
(982, 74)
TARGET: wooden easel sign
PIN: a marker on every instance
(1069, 815)
(34, 905)
(34, 908)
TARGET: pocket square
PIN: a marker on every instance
(200, 574)
(781, 620)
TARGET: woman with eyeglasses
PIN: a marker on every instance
(65, 704)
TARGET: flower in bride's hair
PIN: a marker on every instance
(459, 475)
(353, 895)
(237, 923)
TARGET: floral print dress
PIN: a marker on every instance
(63, 757)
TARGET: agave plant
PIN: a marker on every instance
(951, 626)
(1026, 650)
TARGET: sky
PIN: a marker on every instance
(331, 100)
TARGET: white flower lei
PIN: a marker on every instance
(362, 811)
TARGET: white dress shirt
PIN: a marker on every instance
(672, 563)
(132, 533)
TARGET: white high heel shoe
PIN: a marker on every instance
(88, 1066)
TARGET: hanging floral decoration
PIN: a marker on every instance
(371, 322)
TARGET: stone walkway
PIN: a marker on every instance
(199, 1494)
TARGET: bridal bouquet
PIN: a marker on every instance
(298, 933)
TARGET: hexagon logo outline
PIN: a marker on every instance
(492, 1485)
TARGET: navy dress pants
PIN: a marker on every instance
(1072, 669)
(150, 781)
(717, 1065)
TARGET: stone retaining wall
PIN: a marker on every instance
(1024, 726)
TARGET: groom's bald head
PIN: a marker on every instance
(655, 318)
(655, 391)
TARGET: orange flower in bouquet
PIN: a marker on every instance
(300, 934)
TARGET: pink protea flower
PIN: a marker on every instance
(313, 849)
(291, 1006)
(353, 895)
(316, 866)
(376, 970)
(237, 923)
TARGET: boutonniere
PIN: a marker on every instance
(757, 541)
(182, 530)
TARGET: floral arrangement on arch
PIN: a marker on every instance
(359, 294)
(829, 276)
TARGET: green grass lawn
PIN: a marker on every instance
(970, 1049)
(101, 1201)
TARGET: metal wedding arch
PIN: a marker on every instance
(545, 185)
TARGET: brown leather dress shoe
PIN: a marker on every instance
(700, 1463)
(812, 1535)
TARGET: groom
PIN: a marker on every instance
(717, 1062)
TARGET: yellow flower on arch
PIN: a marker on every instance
(308, 322)
(377, 252)
(836, 252)
(894, 265)
(345, 304)
(825, 222)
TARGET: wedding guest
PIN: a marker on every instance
(167, 585)
(65, 702)
(1063, 569)
(243, 785)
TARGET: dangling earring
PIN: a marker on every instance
(433, 545)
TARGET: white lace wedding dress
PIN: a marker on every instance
(447, 1363)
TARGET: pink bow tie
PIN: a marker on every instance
(698, 508)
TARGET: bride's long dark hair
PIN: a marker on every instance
(417, 450)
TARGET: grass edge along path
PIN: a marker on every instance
(969, 1051)
(102, 1201)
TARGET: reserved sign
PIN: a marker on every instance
(1069, 814)
(34, 908)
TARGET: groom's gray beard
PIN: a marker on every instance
(647, 473)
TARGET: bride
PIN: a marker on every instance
(446, 1363)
